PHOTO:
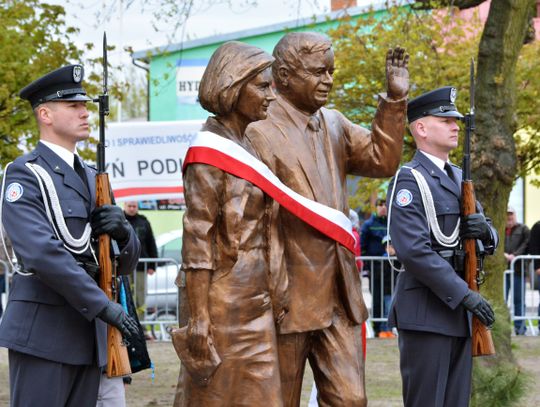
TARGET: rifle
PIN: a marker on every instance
(117, 355)
(482, 342)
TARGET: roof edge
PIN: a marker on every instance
(251, 32)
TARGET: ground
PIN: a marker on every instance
(382, 374)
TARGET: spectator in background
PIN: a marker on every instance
(389, 282)
(373, 231)
(355, 220)
(144, 232)
(534, 249)
(516, 241)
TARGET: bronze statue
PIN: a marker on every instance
(312, 149)
(231, 351)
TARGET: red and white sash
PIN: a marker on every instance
(209, 148)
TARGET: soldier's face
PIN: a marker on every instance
(441, 133)
(310, 85)
(255, 97)
(69, 120)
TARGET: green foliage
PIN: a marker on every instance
(527, 111)
(34, 40)
(440, 48)
(501, 384)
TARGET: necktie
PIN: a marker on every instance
(313, 123)
(79, 169)
(450, 172)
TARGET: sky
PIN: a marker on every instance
(133, 26)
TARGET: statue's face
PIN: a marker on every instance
(310, 85)
(255, 97)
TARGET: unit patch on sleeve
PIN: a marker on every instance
(14, 191)
(404, 197)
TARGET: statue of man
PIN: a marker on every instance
(311, 149)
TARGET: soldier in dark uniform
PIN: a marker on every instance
(56, 317)
(433, 305)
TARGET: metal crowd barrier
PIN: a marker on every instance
(378, 283)
(159, 310)
(520, 288)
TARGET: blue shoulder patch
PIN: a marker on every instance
(14, 191)
(404, 197)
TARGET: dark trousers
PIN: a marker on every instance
(336, 358)
(435, 369)
(40, 382)
(381, 285)
(519, 297)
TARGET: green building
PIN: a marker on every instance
(176, 70)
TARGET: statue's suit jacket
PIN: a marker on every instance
(322, 274)
(52, 314)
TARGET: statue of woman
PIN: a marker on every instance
(226, 245)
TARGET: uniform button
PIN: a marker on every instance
(448, 299)
(69, 210)
(84, 310)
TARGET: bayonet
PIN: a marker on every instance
(103, 101)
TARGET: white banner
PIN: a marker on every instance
(144, 159)
(189, 73)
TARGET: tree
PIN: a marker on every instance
(440, 48)
(494, 172)
(34, 40)
(132, 93)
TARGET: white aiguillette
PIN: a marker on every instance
(200, 369)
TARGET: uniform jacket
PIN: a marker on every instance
(429, 292)
(322, 273)
(52, 314)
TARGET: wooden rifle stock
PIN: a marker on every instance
(482, 342)
(117, 355)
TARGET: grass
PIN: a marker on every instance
(383, 383)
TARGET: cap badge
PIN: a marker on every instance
(404, 197)
(453, 95)
(77, 73)
(14, 191)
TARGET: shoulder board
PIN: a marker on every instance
(28, 157)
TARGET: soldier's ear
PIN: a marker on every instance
(420, 128)
(43, 114)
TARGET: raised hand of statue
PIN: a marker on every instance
(397, 73)
(199, 337)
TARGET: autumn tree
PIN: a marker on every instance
(35, 40)
(507, 107)
(440, 48)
